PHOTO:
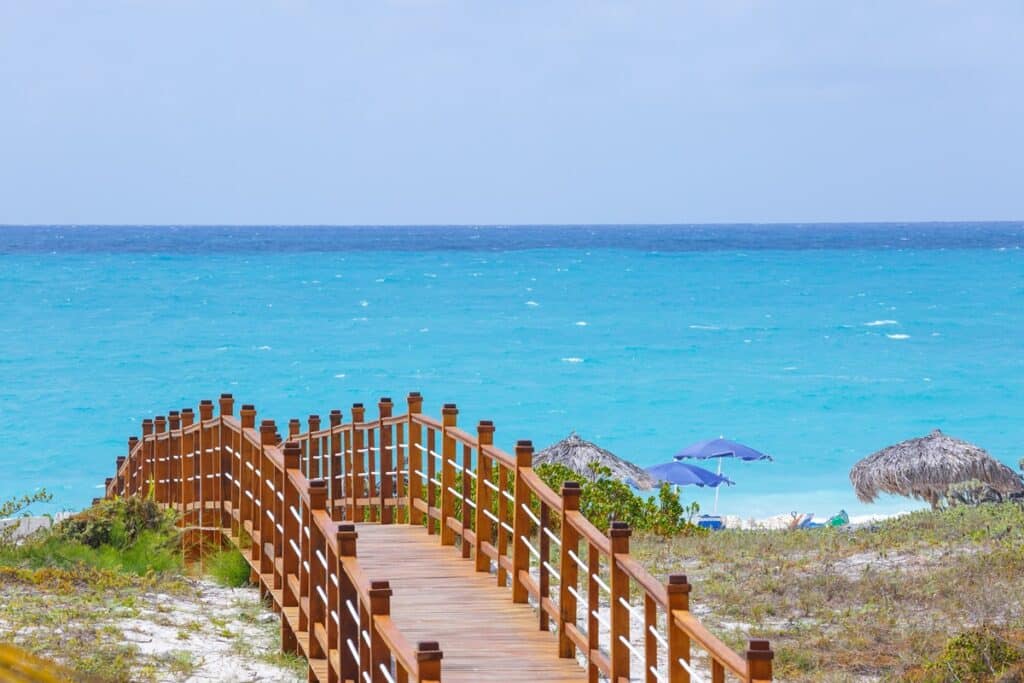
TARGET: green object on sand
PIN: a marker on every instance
(838, 519)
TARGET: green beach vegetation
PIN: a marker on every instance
(929, 597)
(108, 594)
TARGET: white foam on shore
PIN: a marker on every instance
(879, 323)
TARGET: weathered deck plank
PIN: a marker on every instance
(439, 596)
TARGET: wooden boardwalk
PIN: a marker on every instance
(400, 548)
(438, 596)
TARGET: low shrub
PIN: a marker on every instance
(228, 568)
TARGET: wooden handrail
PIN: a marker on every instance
(297, 500)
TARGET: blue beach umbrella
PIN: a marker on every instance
(720, 448)
(685, 474)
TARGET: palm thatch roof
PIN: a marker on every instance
(580, 456)
(925, 468)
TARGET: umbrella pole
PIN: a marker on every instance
(719, 485)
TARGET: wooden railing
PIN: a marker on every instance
(297, 503)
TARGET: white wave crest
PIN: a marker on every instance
(879, 323)
(898, 336)
(572, 359)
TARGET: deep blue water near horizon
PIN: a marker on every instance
(816, 343)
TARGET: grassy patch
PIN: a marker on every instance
(228, 568)
(882, 602)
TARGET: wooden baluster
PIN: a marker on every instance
(521, 522)
(372, 490)
(387, 492)
(357, 514)
(759, 661)
(401, 451)
(428, 657)
(223, 455)
(650, 642)
(290, 454)
(415, 440)
(306, 563)
(449, 416)
(335, 493)
(504, 519)
(619, 534)
(717, 671)
(290, 592)
(467, 498)
(265, 510)
(348, 600)
(380, 605)
(543, 575)
(108, 489)
(173, 451)
(593, 605)
(317, 575)
(678, 590)
(160, 458)
(432, 492)
(483, 526)
(568, 570)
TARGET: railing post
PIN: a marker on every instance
(173, 459)
(225, 444)
(521, 522)
(242, 471)
(568, 570)
(189, 483)
(290, 560)
(209, 490)
(678, 590)
(356, 478)
(619, 534)
(147, 473)
(122, 477)
(265, 510)
(428, 658)
(335, 489)
(380, 605)
(160, 458)
(484, 438)
(317, 578)
(313, 465)
(759, 661)
(449, 416)
(348, 601)
(415, 439)
(387, 492)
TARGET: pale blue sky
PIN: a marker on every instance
(513, 112)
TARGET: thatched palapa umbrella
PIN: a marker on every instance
(925, 468)
(579, 455)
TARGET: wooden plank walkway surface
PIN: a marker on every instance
(438, 596)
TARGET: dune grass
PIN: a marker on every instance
(930, 596)
(228, 568)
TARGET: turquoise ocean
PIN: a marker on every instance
(818, 344)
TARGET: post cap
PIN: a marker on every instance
(385, 399)
(449, 408)
(317, 484)
(206, 402)
(225, 395)
(759, 649)
(346, 527)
